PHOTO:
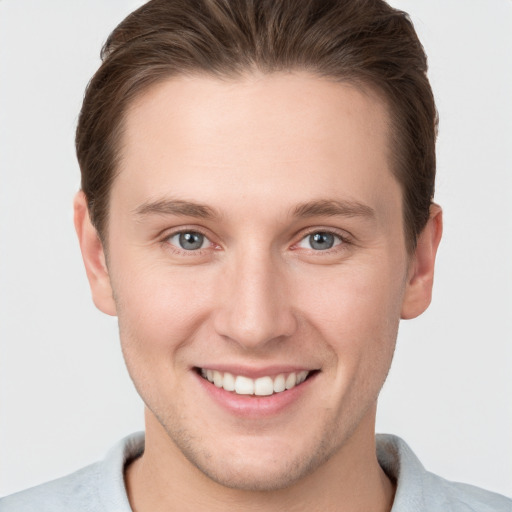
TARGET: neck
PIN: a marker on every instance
(162, 479)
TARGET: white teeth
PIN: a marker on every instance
(229, 382)
(217, 378)
(291, 380)
(244, 386)
(301, 377)
(279, 384)
(263, 386)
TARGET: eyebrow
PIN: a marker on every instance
(333, 208)
(317, 208)
(176, 207)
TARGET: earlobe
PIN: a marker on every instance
(418, 292)
(94, 257)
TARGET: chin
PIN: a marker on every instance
(258, 465)
(262, 475)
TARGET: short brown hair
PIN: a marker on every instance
(365, 42)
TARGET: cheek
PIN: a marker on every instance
(357, 312)
(160, 308)
(354, 299)
(158, 315)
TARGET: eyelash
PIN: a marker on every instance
(177, 250)
(343, 238)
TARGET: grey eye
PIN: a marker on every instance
(189, 240)
(320, 241)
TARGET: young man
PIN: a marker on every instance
(256, 209)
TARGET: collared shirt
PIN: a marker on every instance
(100, 486)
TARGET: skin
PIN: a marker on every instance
(257, 294)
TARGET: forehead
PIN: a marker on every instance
(207, 137)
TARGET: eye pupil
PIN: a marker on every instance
(190, 241)
(321, 241)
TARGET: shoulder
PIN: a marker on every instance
(95, 488)
(77, 492)
(418, 489)
(459, 497)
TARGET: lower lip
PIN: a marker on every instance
(252, 406)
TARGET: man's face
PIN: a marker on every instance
(255, 234)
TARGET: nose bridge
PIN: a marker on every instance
(255, 306)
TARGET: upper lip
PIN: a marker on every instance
(256, 372)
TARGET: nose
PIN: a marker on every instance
(254, 306)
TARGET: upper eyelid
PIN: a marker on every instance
(168, 233)
(325, 231)
(342, 234)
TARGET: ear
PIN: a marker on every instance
(420, 278)
(93, 256)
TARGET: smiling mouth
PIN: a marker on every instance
(262, 386)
